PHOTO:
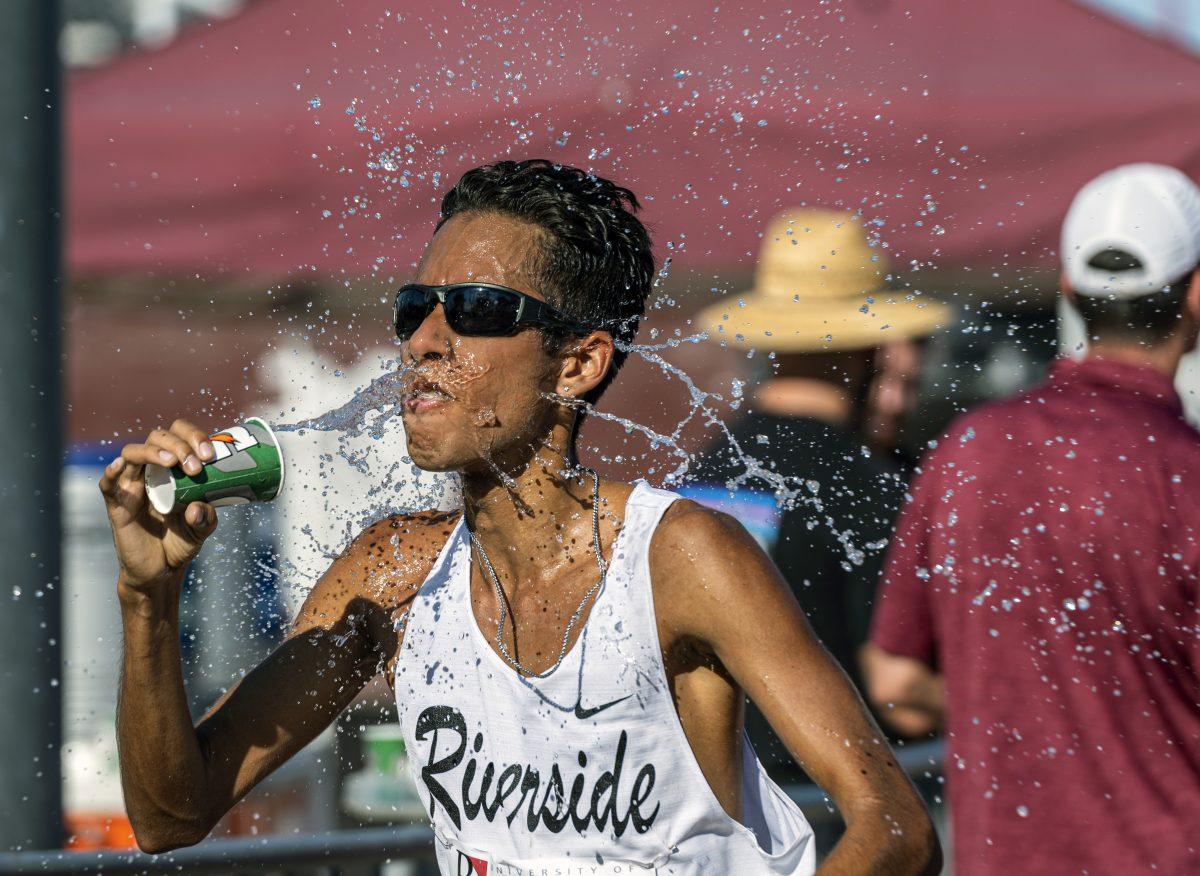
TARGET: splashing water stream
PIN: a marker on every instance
(371, 410)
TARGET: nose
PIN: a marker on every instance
(431, 340)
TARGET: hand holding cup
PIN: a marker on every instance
(152, 546)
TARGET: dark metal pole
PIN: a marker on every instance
(30, 428)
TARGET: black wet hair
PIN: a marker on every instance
(593, 260)
(1149, 319)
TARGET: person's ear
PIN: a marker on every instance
(1192, 300)
(585, 364)
(1065, 287)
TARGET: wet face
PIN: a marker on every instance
(471, 400)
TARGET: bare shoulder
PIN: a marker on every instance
(690, 532)
(703, 560)
(716, 588)
(402, 547)
(381, 569)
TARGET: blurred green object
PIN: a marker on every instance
(383, 790)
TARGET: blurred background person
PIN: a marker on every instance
(795, 469)
(1041, 591)
(892, 398)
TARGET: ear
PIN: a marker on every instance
(585, 364)
(1067, 291)
(1192, 301)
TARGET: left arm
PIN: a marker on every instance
(907, 692)
(728, 599)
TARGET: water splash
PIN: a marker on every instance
(371, 410)
(368, 411)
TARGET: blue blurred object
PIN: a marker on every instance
(1174, 20)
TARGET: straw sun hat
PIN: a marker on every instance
(819, 287)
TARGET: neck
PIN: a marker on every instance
(805, 397)
(528, 511)
(1163, 358)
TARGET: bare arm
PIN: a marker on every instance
(908, 694)
(178, 779)
(730, 599)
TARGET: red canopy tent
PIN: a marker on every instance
(308, 135)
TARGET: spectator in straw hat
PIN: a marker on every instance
(795, 469)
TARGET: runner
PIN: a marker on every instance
(570, 654)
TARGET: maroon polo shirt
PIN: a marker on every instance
(1046, 564)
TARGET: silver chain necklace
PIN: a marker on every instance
(503, 601)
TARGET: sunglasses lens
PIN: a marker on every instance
(412, 306)
(478, 310)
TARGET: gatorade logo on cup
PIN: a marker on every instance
(247, 467)
(232, 440)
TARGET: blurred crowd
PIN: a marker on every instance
(1029, 587)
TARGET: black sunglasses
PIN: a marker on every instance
(478, 309)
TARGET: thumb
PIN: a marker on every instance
(199, 521)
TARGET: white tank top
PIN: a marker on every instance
(588, 770)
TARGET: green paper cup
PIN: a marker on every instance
(248, 468)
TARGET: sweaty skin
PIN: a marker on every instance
(727, 622)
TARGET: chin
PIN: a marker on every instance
(437, 450)
(431, 459)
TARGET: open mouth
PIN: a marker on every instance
(424, 395)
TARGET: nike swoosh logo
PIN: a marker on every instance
(583, 714)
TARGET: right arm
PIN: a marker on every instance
(899, 662)
(179, 779)
(908, 694)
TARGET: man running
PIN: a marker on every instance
(570, 654)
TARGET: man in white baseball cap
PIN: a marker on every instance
(1130, 250)
(1041, 595)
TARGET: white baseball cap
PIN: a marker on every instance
(1151, 212)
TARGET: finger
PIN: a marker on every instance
(123, 486)
(108, 480)
(200, 519)
(195, 437)
(136, 456)
(174, 450)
